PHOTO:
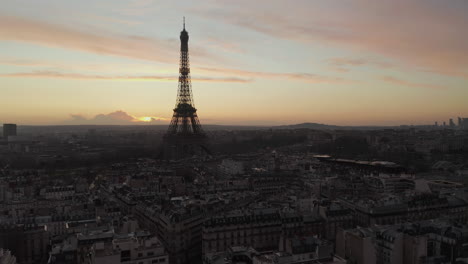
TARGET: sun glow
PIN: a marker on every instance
(149, 119)
(145, 119)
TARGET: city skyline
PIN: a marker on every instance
(346, 63)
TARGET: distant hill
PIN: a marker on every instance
(308, 125)
(333, 127)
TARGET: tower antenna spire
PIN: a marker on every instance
(184, 22)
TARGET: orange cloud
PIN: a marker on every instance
(115, 118)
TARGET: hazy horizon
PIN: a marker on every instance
(156, 123)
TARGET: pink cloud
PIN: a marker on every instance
(104, 43)
(60, 75)
(397, 81)
(426, 35)
(235, 75)
(306, 77)
(343, 64)
(126, 46)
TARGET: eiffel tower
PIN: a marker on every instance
(185, 136)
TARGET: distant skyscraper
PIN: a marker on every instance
(444, 124)
(9, 130)
(460, 122)
(451, 123)
(436, 124)
(464, 123)
(184, 137)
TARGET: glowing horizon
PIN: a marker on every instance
(116, 62)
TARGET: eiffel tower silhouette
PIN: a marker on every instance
(185, 136)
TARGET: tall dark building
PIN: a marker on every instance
(184, 137)
(9, 130)
(451, 123)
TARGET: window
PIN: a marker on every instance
(150, 253)
(125, 255)
(140, 255)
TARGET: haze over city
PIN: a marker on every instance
(252, 62)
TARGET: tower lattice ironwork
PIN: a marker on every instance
(185, 136)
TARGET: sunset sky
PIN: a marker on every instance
(262, 62)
